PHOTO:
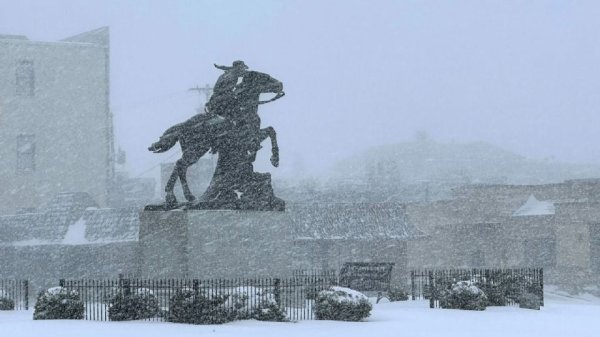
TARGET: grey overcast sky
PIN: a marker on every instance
(524, 75)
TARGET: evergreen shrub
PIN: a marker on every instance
(58, 303)
(463, 295)
(529, 301)
(187, 306)
(254, 303)
(342, 304)
(136, 304)
(397, 294)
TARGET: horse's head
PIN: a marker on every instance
(255, 83)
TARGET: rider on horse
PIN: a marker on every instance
(223, 98)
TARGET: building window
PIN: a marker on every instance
(25, 75)
(25, 153)
(540, 252)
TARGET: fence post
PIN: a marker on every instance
(26, 286)
(542, 284)
(61, 282)
(412, 284)
(277, 291)
(125, 284)
(432, 292)
(196, 287)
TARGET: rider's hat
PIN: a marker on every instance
(240, 65)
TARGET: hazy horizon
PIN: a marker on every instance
(523, 76)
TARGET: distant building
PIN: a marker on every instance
(56, 130)
(69, 238)
(132, 192)
(553, 226)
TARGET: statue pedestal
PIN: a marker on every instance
(231, 244)
(214, 243)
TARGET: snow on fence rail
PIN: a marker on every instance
(16, 291)
(295, 295)
(503, 285)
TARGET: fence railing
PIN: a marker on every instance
(502, 286)
(16, 291)
(294, 295)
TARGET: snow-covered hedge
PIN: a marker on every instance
(342, 304)
(139, 303)
(397, 294)
(188, 307)
(463, 295)
(58, 303)
(254, 303)
(529, 301)
(212, 307)
(5, 302)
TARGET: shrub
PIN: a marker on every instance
(5, 302)
(496, 295)
(529, 301)
(463, 295)
(396, 294)
(515, 285)
(342, 304)
(256, 303)
(137, 304)
(58, 303)
(186, 306)
(270, 312)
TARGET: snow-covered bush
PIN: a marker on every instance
(270, 312)
(252, 302)
(212, 307)
(342, 304)
(496, 294)
(188, 307)
(58, 303)
(529, 301)
(5, 302)
(139, 303)
(397, 294)
(463, 295)
(509, 287)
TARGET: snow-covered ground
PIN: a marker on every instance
(562, 316)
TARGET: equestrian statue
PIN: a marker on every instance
(230, 128)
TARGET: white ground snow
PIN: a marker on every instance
(562, 316)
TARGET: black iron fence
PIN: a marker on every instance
(502, 286)
(294, 295)
(15, 293)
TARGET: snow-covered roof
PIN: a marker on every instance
(534, 207)
(70, 219)
(351, 221)
(66, 224)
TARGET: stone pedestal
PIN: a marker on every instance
(214, 244)
(234, 243)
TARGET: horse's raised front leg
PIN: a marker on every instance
(270, 132)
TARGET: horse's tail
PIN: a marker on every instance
(167, 140)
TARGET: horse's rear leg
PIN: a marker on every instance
(189, 158)
(170, 199)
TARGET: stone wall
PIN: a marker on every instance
(44, 265)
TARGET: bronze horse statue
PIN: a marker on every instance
(232, 130)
